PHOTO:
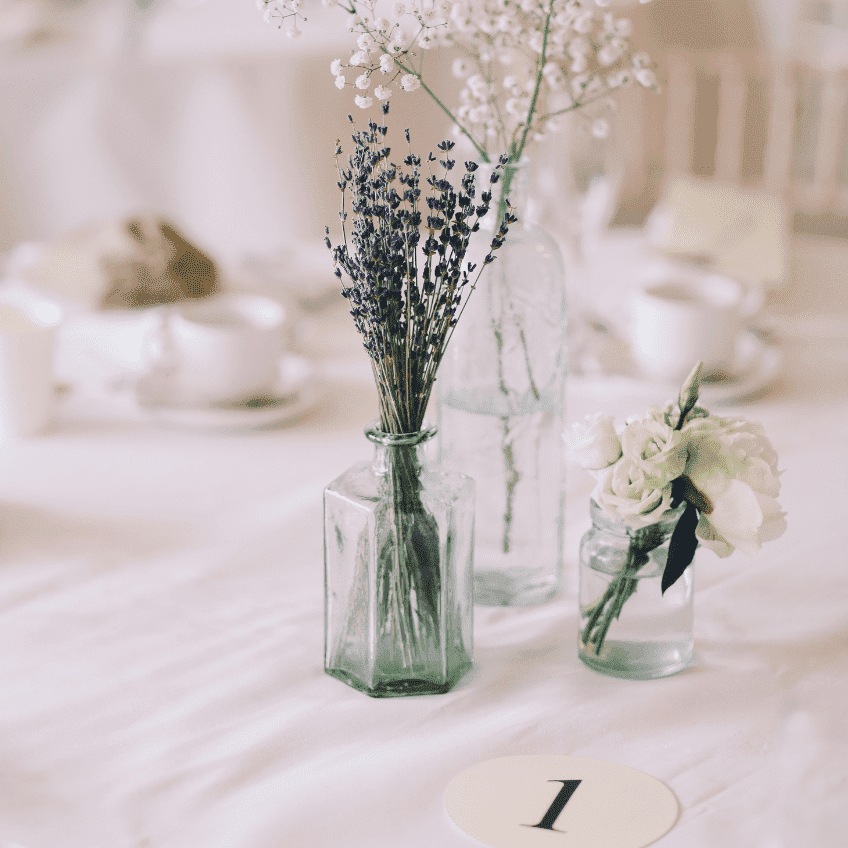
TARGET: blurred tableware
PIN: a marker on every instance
(302, 275)
(219, 350)
(579, 182)
(294, 393)
(27, 340)
(685, 317)
(593, 173)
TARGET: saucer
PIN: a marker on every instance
(296, 392)
(756, 364)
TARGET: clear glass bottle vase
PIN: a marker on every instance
(398, 540)
(500, 393)
(628, 626)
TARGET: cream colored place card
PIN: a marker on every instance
(560, 802)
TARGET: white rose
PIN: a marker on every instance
(656, 448)
(593, 442)
(626, 493)
(734, 466)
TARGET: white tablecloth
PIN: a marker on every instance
(161, 681)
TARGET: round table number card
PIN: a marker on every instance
(560, 802)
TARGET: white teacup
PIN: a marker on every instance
(682, 318)
(27, 340)
(221, 349)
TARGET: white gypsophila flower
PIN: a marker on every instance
(733, 466)
(382, 92)
(461, 68)
(363, 102)
(267, 16)
(655, 448)
(363, 81)
(336, 67)
(386, 63)
(398, 10)
(410, 82)
(293, 31)
(624, 492)
(358, 58)
(365, 41)
(608, 55)
(340, 82)
(477, 85)
(592, 442)
(600, 128)
(646, 77)
(479, 114)
(382, 25)
(328, 4)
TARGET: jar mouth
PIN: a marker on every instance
(619, 528)
(381, 437)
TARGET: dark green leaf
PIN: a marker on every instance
(681, 548)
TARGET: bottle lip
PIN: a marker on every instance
(381, 437)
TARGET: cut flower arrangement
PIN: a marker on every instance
(723, 469)
(524, 65)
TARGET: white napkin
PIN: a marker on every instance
(735, 231)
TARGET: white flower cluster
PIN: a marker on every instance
(525, 61)
(729, 463)
(282, 12)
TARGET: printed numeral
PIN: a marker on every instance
(568, 787)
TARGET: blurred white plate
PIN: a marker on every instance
(297, 391)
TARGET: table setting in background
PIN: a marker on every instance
(299, 550)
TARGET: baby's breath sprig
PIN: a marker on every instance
(408, 279)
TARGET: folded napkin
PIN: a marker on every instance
(734, 231)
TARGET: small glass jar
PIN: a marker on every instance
(398, 544)
(628, 626)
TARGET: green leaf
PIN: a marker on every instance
(681, 548)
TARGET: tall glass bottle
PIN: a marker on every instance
(501, 403)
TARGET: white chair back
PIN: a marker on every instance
(778, 125)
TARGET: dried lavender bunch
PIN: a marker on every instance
(406, 294)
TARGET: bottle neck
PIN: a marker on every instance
(389, 447)
(513, 186)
